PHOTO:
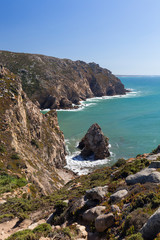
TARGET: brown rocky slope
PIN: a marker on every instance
(31, 144)
(57, 83)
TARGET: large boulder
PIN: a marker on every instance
(146, 175)
(91, 214)
(152, 227)
(97, 193)
(118, 195)
(94, 143)
(104, 221)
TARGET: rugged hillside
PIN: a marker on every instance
(31, 144)
(57, 83)
(118, 202)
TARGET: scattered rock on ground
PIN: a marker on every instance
(91, 214)
(81, 231)
(94, 143)
(118, 195)
(115, 208)
(97, 193)
(152, 227)
(104, 221)
(146, 175)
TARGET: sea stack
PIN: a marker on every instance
(94, 143)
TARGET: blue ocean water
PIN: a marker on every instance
(132, 122)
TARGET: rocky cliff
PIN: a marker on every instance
(58, 83)
(31, 144)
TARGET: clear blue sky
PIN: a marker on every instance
(121, 35)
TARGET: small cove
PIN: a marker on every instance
(132, 122)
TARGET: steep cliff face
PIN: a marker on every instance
(31, 144)
(58, 83)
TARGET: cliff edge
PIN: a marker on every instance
(31, 144)
(58, 83)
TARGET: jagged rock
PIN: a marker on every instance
(91, 214)
(157, 150)
(44, 76)
(118, 195)
(115, 208)
(94, 143)
(152, 227)
(146, 175)
(97, 193)
(104, 221)
(65, 103)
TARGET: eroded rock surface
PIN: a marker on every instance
(94, 143)
(33, 143)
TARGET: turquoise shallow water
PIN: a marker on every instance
(131, 122)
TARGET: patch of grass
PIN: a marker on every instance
(8, 182)
(137, 236)
(42, 229)
(6, 217)
(23, 235)
(2, 148)
(15, 156)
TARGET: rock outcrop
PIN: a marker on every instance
(32, 143)
(104, 221)
(152, 227)
(118, 195)
(94, 144)
(146, 175)
(59, 83)
(91, 214)
(97, 193)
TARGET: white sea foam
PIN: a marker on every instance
(93, 101)
(80, 166)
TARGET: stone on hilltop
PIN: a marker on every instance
(94, 143)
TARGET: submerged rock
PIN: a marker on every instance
(94, 143)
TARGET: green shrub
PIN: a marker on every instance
(44, 228)
(15, 156)
(137, 236)
(2, 148)
(8, 182)
(34, 143)
(6, 217)
(23, 235)
(120, 162)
